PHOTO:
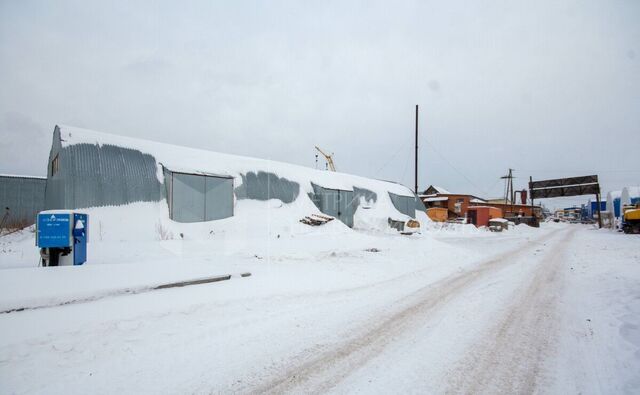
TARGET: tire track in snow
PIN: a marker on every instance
(510, 357)
(318, 369)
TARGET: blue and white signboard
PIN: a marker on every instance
(54, 230)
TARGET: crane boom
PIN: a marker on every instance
(329, 159)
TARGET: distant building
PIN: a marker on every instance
(591, 209)
(435, 190)
(518, 210)
(21, 198)
(456, 204)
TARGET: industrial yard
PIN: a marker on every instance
(551, 309)
(408, 197)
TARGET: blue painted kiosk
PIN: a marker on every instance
(62, 237)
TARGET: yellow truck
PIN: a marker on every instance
(631, 219)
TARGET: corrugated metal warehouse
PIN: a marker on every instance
(21, 198)
(93, 169)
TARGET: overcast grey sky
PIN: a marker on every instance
(549, 88)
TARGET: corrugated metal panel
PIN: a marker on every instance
(24, 196)
(419, 204)
(265, 186)
(368, 195)
(93, 176)
(407, 204)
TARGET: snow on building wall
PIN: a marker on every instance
(93, 169)
(630, 195)
(613, 203)
(23, 196)
(591, 208)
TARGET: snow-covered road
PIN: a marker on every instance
(552, 310)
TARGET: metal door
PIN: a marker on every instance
(346, 207)
(218, 198)
(188, 197)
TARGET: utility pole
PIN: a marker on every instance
(512, 193)
(509, 194)
(416, 154)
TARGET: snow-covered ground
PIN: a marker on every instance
(328, 309)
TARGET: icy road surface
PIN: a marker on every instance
(550, 310)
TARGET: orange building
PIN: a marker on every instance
(456, 204)
(515, 210)
(481, 215)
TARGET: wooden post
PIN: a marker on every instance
(533, 212)
(416, 154)
(599, 213)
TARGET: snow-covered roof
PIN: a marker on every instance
(436, 199)
(502, 220)
(476, 200)
(441, 190)
(201, 161)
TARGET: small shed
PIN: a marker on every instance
(480, 215)
(438, 214)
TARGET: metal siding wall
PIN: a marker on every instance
(419, 204)
(94, 176)
(114, 182)
(368, 195)
(218, 198)
(405, 204)
(24, 197)
(188, 198)
(265, 186)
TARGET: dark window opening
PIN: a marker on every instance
(55, 166)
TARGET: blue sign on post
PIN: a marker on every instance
(54, 230)
(62, 236)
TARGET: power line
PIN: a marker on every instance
(400, 148)
(454, 168)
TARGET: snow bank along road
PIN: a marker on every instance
(553, 310)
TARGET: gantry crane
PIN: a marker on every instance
(329, 159)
